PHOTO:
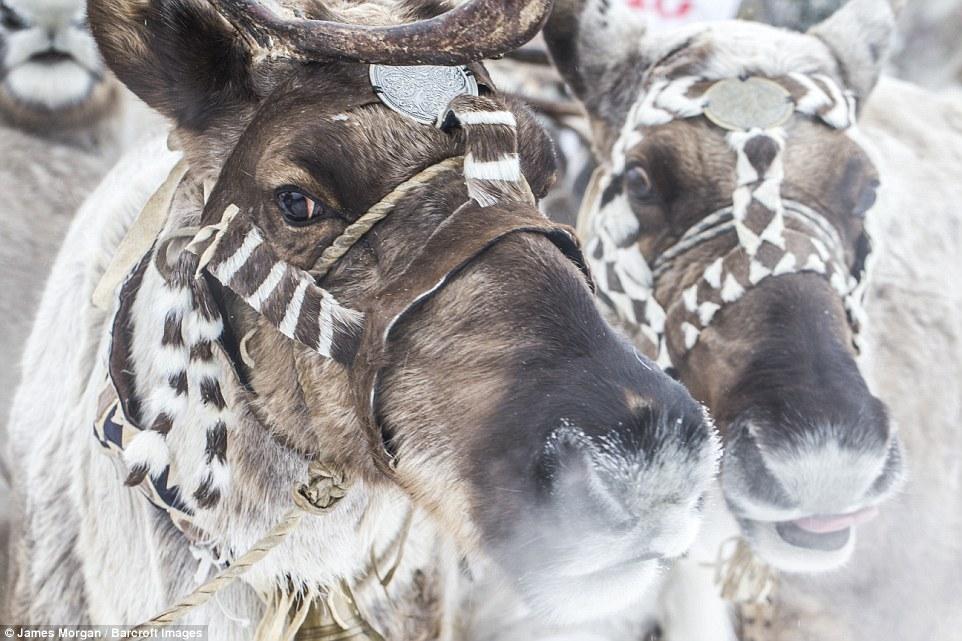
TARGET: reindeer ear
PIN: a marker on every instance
(179, 56)
(590, 43)
(859, 36)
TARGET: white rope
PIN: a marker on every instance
(203, 594)
(323, 490)
(721, 221)
(356, 230)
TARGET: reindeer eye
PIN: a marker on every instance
(298, 208)
(638, 183)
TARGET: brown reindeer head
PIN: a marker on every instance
(727, 230)
(453, 349)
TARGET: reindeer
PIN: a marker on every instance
(63, 122)
(54, 82)
(901, 583)
(728, 232)
(346, 290)
(55, 102)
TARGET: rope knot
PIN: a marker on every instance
(749, 584)
(741, 576)
(324, 488)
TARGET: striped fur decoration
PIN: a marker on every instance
(492, 169)
(235, 252)
(173, 325)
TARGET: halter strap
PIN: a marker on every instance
(378, 212)
(721, 221)
(457, 243)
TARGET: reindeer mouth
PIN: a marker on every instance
(51, 57)
(802, 538)
(825, 533)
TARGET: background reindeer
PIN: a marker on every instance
(780, 379)
(63, 122)
(485, 410)
(902, 581)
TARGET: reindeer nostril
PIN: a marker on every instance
(562, 462)
(892, 471)
(574, 482)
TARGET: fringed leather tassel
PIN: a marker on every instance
(285, 613)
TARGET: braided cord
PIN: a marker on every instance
(325, 487)
(377, 213)
(203, 593)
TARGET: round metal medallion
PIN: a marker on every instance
(421, 92)
(740, 105)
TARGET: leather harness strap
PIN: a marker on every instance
(457, 243)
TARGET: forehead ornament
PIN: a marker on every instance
(421, 92)
(751, 103)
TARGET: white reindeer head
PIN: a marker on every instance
(51, 74)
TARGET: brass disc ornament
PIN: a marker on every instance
(421, 92)
(752, 103)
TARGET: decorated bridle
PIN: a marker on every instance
(169, 298)
(172, 345)
(774, 236)
(184, 383)
(169, 313)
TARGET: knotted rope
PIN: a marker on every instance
(740, 576)
(750, 585)
(325, 487)
(376, 214)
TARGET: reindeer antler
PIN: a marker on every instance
(474, 30)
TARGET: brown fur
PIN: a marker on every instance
(103, 105)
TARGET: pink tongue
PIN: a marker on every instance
(836, 522)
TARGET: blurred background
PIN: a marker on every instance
(70, 152)
(928, 48)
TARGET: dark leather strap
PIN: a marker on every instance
(454, 245)
(120, 350)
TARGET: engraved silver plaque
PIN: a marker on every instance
(740, 105)
(421, 92)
